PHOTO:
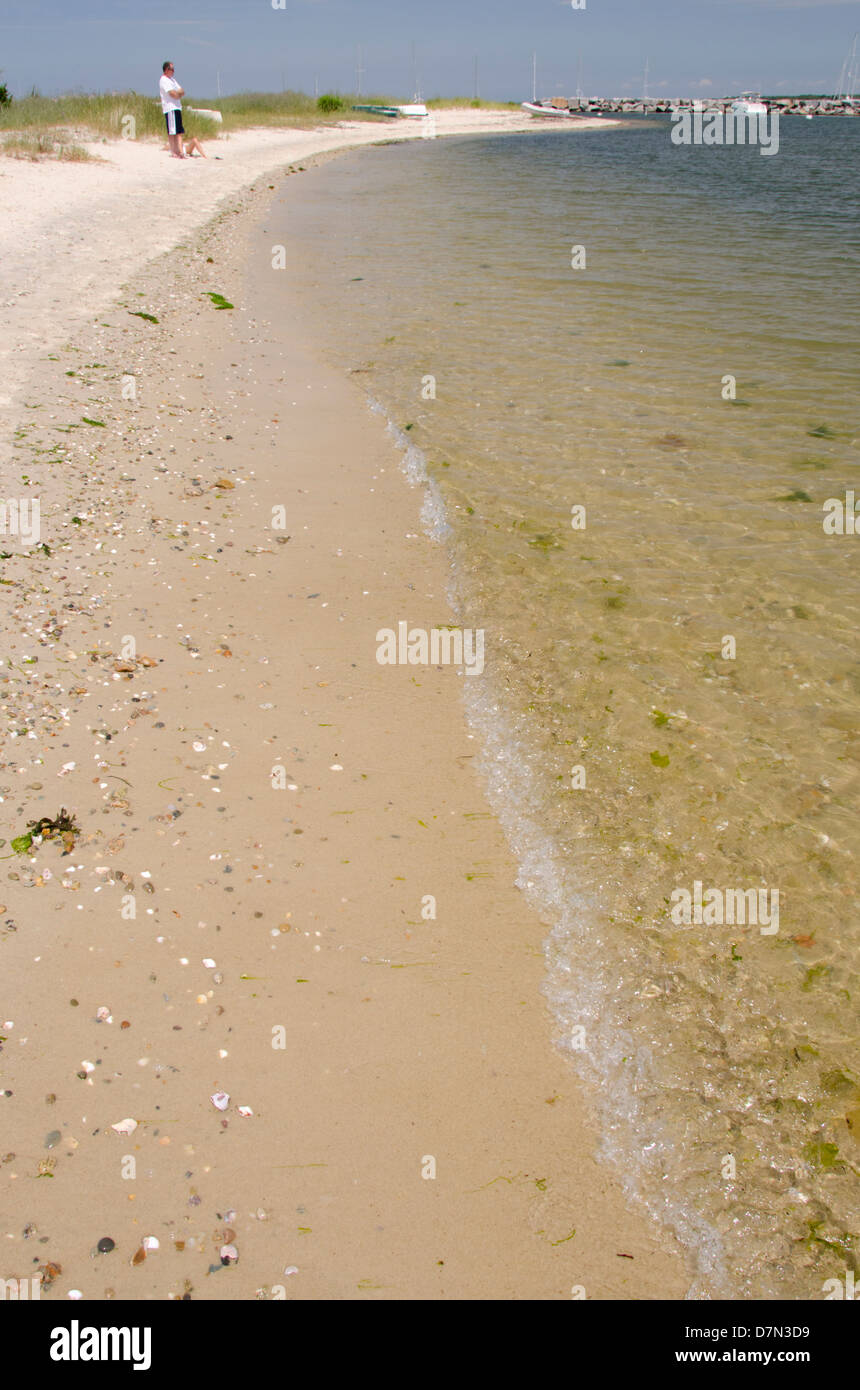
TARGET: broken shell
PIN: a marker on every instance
(229, 1255)
(139, 1256)
(103, 1014)
(291, 1269)
(220, 1100)
(125, 1126)
(245, 1110)
(150, 1243)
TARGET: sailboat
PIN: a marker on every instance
(558, 107)
(416, 106)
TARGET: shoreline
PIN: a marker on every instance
(61, 253)
(406, 1038)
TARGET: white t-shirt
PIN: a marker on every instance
(166, 86)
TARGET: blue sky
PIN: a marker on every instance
(694, 47)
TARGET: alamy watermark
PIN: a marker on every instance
(840, 518)
(717, 907)
(699, 127)
(21, 517)
(441, 646)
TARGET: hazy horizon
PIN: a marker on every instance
(690, 47)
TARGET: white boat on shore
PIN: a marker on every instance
(413, 108)
(545, 108)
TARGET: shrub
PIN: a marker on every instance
(329, 102)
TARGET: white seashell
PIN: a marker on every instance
(103, 1014)
(220, 1100)
(150, 1243)
(291, 1269)
(88, 1067)
(245, 1110)
(125, 1126)
(209, 963)
(198, 746)
(75, 1294)
(229, 1254)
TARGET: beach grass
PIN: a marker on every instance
(46, 144)
(105, 115)
(465, 103)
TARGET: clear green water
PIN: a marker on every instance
(727, 1059)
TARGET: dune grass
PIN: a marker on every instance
(47, 144)
(114, 115)
(475, 103)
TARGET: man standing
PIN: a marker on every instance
(171, 105)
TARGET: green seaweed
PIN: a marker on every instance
(659, 718)
(61, 827)
(660, 759)
(821, 1155)
(822, 432)
(139, 314)
(219, 301)
(814, 973)
(796, 495)
(101, 424)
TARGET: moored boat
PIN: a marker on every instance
(546, 108)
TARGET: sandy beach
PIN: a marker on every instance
(272, 1011)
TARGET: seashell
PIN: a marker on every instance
(220, 1100)
(125, 1126)
(229, 1255)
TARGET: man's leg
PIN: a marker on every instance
(173, 140)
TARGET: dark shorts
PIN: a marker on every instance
(174, 123)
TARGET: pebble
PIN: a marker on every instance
(105, 1245)
(52, 1139)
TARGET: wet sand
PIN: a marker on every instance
(414, 1134)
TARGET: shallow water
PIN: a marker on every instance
(692, 649)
